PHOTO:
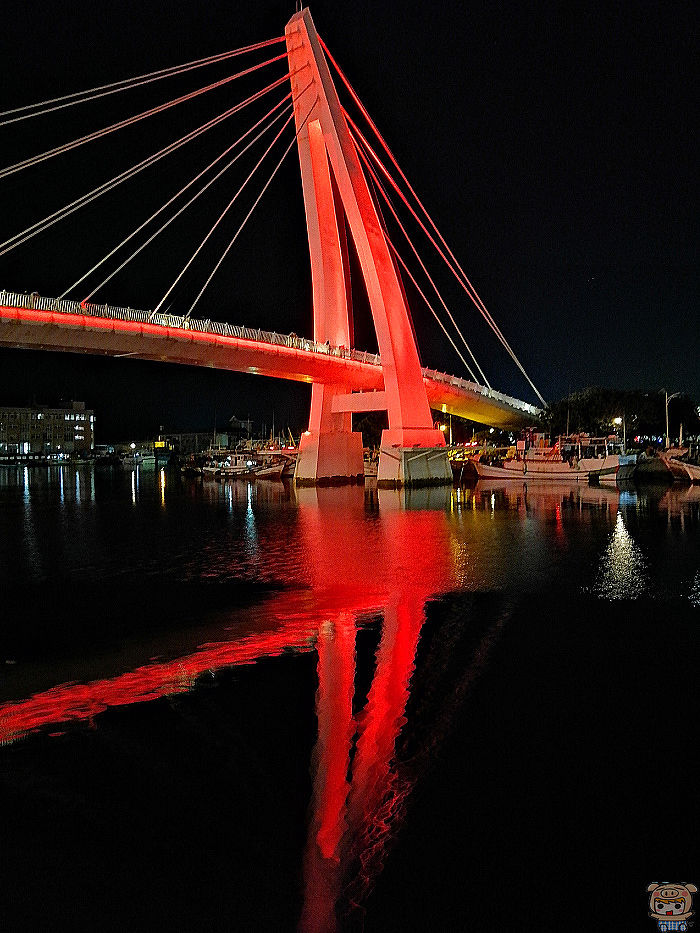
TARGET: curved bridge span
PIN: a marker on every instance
(33, 322)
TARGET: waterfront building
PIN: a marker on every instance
(43, 432)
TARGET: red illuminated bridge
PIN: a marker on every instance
(348, 190)
(51, 324)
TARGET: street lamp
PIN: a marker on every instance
(621, 421)
(668, 399)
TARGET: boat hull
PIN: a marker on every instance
(272, 473)
(548, 471)
(682, 470)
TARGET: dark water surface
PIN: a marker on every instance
(244, 707)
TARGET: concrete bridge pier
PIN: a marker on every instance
(408, 460)
(330, 452)
(331, 459)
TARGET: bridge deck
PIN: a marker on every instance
(33, 322)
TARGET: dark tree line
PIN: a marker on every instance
(593, 410)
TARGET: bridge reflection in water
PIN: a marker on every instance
(370, 556)
(353, 804)
(357, 790)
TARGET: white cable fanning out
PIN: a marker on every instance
(383, 192)
(50, 153)
(222, 215)
(460, 275)
(247, 216)
(468, 287)
(461, 279)
(177, 195)
(185, 206)
(430, 307)
(97, 192)
(388, 151)
(126, 84)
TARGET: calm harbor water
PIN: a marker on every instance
(245, 707)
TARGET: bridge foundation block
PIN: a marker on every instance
(414, 465)
(329, 459)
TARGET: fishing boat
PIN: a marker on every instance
(136, 458)
(271, 471)
(241, 465)
(577, 458)
(674, 460)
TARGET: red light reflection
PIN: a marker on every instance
(356, 567)
(350, 801)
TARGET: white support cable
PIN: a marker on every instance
(387, 199)
(430, 307)
(247, 216)
(182, 190)
(462, 279)
(18, 238)
(468, 286)
(222, 215)
(465, 284)
(127, 84)
(58, 150)
(385, 146)
(184, 207)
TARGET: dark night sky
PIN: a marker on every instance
(553, 146)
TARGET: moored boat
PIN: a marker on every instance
(238, 466)
(191, 469)
(578, 458)
(137, 458)
(272, 471)
(680, 468)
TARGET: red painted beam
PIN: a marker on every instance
(26, 328)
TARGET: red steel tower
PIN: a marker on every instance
(335, 193)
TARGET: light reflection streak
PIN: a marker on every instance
(694, 595)
(76, 702)
(251, 531)
(623, 571)
(353, 804)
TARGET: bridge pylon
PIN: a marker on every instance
(336, 194)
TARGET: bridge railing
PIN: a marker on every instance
(465, 384)
(222, 328)
(34, 301)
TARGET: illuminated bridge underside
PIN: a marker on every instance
(198, 343)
